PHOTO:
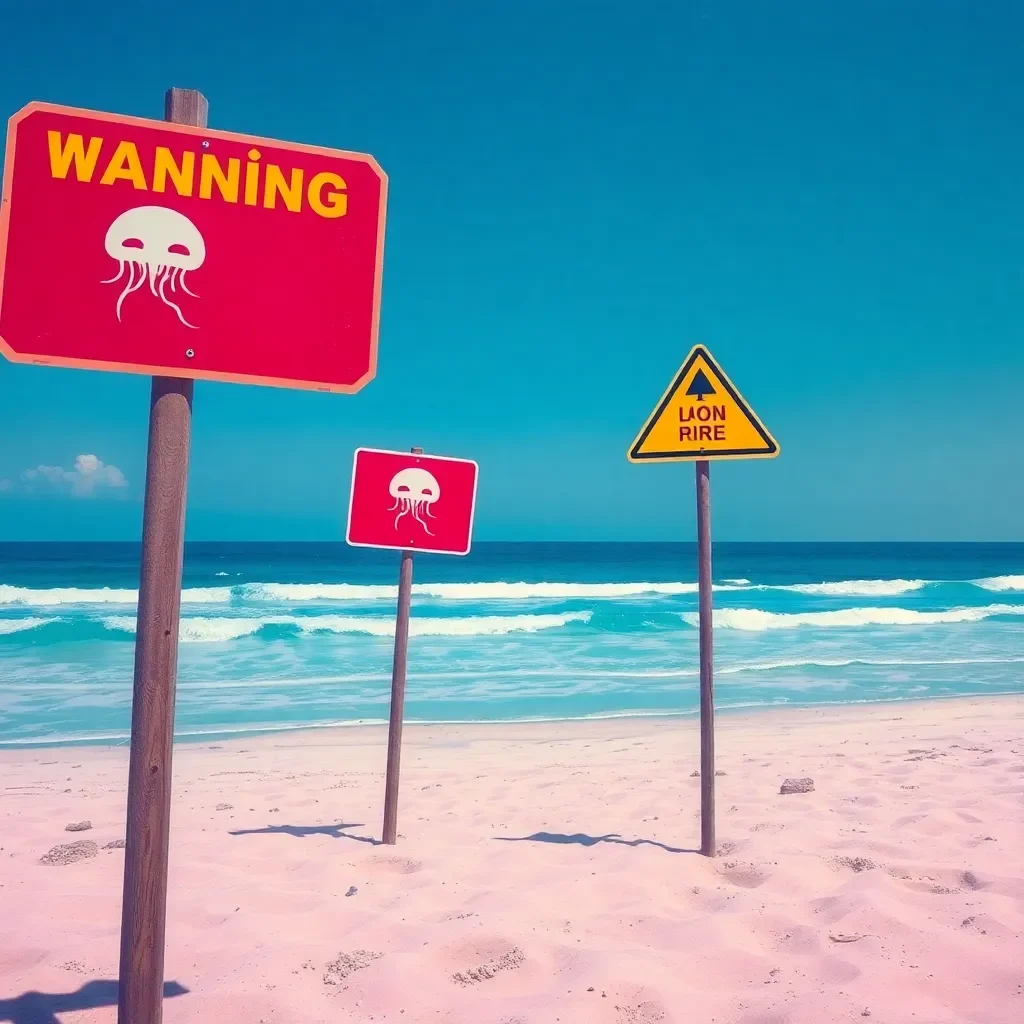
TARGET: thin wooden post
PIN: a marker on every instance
(144, 906)
(398, 695)
(707, 697)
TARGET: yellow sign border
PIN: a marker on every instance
(699, 351)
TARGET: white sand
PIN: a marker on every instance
(911, 846)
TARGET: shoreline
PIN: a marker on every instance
(722, 713)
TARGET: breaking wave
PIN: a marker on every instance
(757, 621)
(8, 626)
(285, 593)
(858, 588)
(37, 598)
(207, 630)
(1002, 584)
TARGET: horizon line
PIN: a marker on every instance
(481, 543)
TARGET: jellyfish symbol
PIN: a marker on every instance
(414, 491)
(156, 243)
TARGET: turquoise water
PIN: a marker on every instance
(278, 636)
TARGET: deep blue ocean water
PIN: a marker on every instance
(279, 636)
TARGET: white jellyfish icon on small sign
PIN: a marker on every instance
(157, 243)
(414, 491)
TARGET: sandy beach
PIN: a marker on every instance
(545, 873)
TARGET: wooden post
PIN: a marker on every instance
(707, 696)
(398, 695)
(144, 906)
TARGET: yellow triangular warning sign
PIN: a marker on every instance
(702, 416)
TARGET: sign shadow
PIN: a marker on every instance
(43, 1007)
(582, 839)
(301, 831)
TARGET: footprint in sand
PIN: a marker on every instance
(397, 865)
(971, 881)
(968, 817)
(480, 960)
(832, 908)
(945, 883)
(834, 971)
(747, 876)
(647, 1012)
(855, 864)
(799, 938)
(345, 964)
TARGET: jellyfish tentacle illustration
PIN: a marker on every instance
(171, 302)
(414, 491)
(151, 272)
(133, 285)
(185, 287)
(118, 275)
(418, 507)
(157, 244)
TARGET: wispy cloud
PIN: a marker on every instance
(88, 477)
(5, 485)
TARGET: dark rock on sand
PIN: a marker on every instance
(224, 807)
(114, 844)
(68, 853)
(797, 786)
(352, 890)
(78, 826)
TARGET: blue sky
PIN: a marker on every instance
(829, 196)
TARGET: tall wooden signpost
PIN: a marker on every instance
(185, 253)
(701, 418)
(408, 502)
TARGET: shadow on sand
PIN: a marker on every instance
(301, 831)
(43, 1007)
(581, 839)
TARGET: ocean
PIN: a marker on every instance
(287, 636)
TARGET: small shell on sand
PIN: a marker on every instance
(78, 826)
(224, 807)
(68, 853)
(797, 786)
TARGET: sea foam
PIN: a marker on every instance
(8, 626)
(207, 630)
(1002, 584)
(496, 591)
(296, 593)
(39, 598)
(857, 588)
(756, 620)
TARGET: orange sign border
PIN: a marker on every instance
(699, 351)
(207, 133)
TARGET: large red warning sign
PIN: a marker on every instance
(144, 246)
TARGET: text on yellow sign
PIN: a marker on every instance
(703, 431)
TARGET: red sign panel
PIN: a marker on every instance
(411, 502)
(149, 247)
